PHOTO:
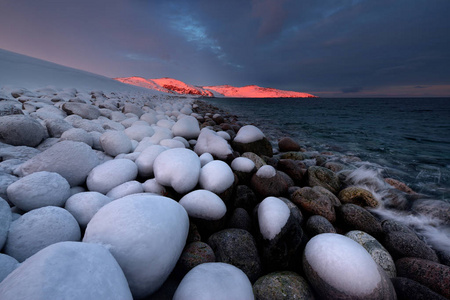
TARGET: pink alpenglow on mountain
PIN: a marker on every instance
(254, 91)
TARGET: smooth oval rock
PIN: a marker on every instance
(317, 224)
(216, 176)
(115, 143)
(282, 285)
(146, 234)
(194, 254)
(409, 289)
(21, 130)
(110, 174)
(316, 201)
(86, 111)
(7, 265)
(186, 127)
(203, 204)
(67, 270)
(319, 176)
(83, 206)
(355, 217)
(5, 221)
(286, 144)
(358, 196)
(78, 135)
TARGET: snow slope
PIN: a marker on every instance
(254, 91)
(18, 70)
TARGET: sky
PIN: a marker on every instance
(329, 48)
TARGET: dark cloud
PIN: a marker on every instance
(328, 47)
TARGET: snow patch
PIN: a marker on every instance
(266, 171)
(273, 214)
(248, 134)
(203, 204)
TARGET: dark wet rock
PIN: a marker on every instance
(240, 219)
(282, 285)
(218, 119)
(408, 289)
(379, 254)
(355, 217)
(238, 248)
(431, 274)
(435, 209)
(401, 244)
(316, 201)
(294, 155)
(400, 186)
(319, 176)
(358, 196)
(258, 161)
(286, 144)
(444, 257)
(86, 111)
(259, 147)
(276, 185)
(280, 252)
(317, 224)
(334, 166)
(271, 161)
(294, 169)
(244, 198)
(21, 130)
(193, 235)
(194, 254)
(393, 226)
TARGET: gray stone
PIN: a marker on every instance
(283, 285)
(317, 224)
(9, 108)
(5, 221)
(274, 186)
(78, 135)
(258, 161)
(259, 147)
(7, 265)
(56, 127)
(358, 196)
(86, 111)
(355, 217)
(20, 130)
(319, 176)
(316, 201)
(194, 254)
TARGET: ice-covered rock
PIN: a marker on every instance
(248, 134)
(214, 281)
(216, 176)
(86, 111)
(138, 132)
(125, 189)
(115, 142)
(67, 270)
(78, 135)
(152, 186)
(186, 127)
(72, 160)
(83, 206)
(328, 256)
(183, 140)
(150, 118)
(7, 265)
(266, 171)
(242, 164)
(5, 221)
(210, 142)
(206, 158)
(38, 190)
(110, 174)
(132, 108)
(20, 130)
(172, 143)
(165, 123)
(38, 229)
(203, 204)
(145, 233)
(272, 216)
(147, 158)
(161, 133)
(178, 168)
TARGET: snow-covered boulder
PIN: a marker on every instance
(248, 134)
(38, 229)
(67, 270)
(147, 158)
(272, 216)
(172, 143)
(152, 186)
(178, 168)
(83, 206)
(210, 142)
(328, 256)
(216, 176)
(206, 158)
(110, 174)
(86, 111)
(186, 127)
(161, 133)
(7, 265)
(125, 189)
(138, 132)
(72, 160)
(5, 221)
(203, 204)
(78, 135)
(149, 117)
(214, 281)
(20, 130)
(146, 234)
(251, 139)
(38, 190)
(115, 143)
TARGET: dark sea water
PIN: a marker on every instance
(408, 137)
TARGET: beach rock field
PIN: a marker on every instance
(126, 195)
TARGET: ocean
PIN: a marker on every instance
(407, 139)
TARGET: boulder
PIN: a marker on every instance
(286, 144)
(186, 127)
(194, 254)
(7, 265)
(115, 143)
(316, 201)
(267, 181)
(83, 206)
(21, 130)
(282, 285)
(110, 174)
(319, 176)
(355, 217)
(5, 221)
(358, 196)
(317, 224)
(86, 111)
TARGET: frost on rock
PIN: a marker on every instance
(186, 127)
(203, 204)
(219, 281)
(161, 133)
(147, 158)
(331, 255)
(115, 142)
(273, 214)
(216, 176)
(125, 189)
(138, 132)
(242, 164)
(110, 174)
(67, 270)
(248, 134)
(172, 143)
(152, 186)
(210, 142)
(206, 158)
(83, 206)
(146, 234)
(178, 168)
(266, 171)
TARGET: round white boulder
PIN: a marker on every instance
(178, 168)
(216, 176)
(172, 143)
(38, 190)
(273, 214)
(248, 134)
(203, 204)
(146, 159)
(206, 158)
(38, 229)
(83, 206)
(125, 189)
(146, 235)
(115, 142)
(219, 281)
(67, 270)
(186, 127)
(110, 174)
(210, 142)
(138, 132)
(266, 171)
(161, 133)
(152, 186)
(243, 164)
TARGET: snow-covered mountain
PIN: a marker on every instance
(170, 85)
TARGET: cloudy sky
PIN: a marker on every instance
(339, 48)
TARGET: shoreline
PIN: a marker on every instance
(312, 195)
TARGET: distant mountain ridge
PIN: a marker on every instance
(174, 86)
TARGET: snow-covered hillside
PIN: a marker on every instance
(254, 91)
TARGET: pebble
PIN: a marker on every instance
(194, 254)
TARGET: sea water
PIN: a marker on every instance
(407, 139)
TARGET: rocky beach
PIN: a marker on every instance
(128, 195)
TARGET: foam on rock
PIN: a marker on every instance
(110, 174)
(216, 176)
(203, 204)
(248, 134)
(273, 214)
